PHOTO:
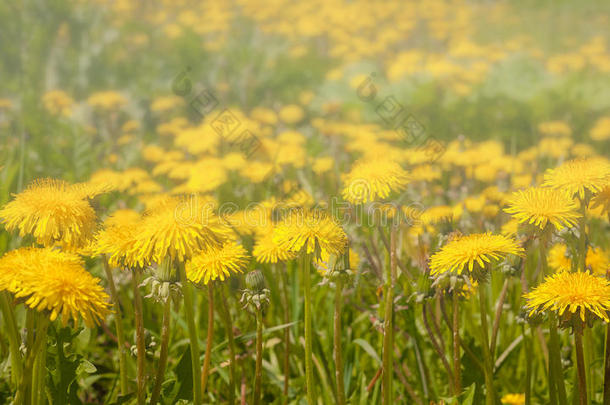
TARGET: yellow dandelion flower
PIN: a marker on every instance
(310, 230)
(540, 206)
(54, 281)
(216, 263)
(463, 252)
(178, 228)
(601, 129)
(54, 212)
(513, 399)
(291, 114)
(580, 292)
(118, 238)
(323, 263)
(266, 250)
(558, 258)
(373, 179)
(579, 175)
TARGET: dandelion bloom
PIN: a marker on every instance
(266, 250)
(178, 228)
(310, 230)
(53, 211)
(465, 251)
(513, 399)
(576, 292)
(373, 179)
(216, 262)
(117, 239)
(55, 281)
(540, 206)
(579, 175)
(602, 200)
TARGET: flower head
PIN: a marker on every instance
(178, 228)
(577, 292)
(216, 262)
(579, 175)
(602, 200)
(373, 179)
(540, 206)
(464, 251)
(266, 250)
(55, 281)
(118, 238)
(310, 230)
(54, 212)
(513, 399)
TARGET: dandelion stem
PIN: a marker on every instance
(337, 342)
(163, 352)
(457, 373)
(140, 344)
(259, 357)
(555, 368)
(306, 262)
(284, 277)
(10, 325)
(607, 368)
(32, 354)
(205, 371)
(226, 316)
(527, 342)
(192, 329)
(388, 329)
(490, 397)
(118, 321)
(580, 364)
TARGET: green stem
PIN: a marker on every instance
(555, 362)
(226, 316)
(582, 241)
(284, 277)
(580, 363)
(306, 262)
(33, 350)
(527, 342)
(337, 341)
(163, 352)
(140, 343)
(118, 321)
(259, 357)
(388, 327)
(205, 371)
(607, 367)
(457, 368)
(10, 327)
(490, 397)
(194, 340)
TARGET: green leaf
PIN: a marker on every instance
(369, 349)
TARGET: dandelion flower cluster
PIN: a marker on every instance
(310, 230)
(579, 175)
(540, 206)
(216, 263)
(55, 281)
(54, 212)
(577, 292)
(267, 250)
(370, 180)
(463, 252)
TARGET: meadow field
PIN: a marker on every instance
(305, 202)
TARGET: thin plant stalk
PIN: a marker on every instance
(14, 340)
(388, 328)
(490, 397)
(33, 352)
(205, 371)
(337, 342)
(140, 344)
(192, 330)
(284, 277)
(555, 362)
(123, 381)
(259, 357)
(607, 367)
(226, 316)
(457, 373)
(306, 263)
(527, 342)
(580, 364)
(165, 332)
